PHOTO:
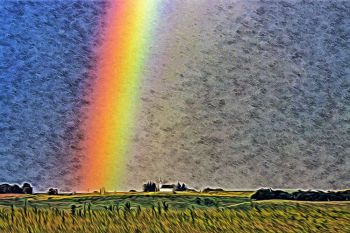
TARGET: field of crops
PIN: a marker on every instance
(169, 213)
(183, 200)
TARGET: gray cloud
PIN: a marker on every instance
(253, 94)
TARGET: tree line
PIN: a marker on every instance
(268, 194)
(8, 188)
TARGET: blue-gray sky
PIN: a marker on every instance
(45, 55)
(249, 94)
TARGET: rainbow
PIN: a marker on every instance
(114, 100)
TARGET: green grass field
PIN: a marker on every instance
(185, 212)
(181, 200)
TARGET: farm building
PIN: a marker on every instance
(167, 188)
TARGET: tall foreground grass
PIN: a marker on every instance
(270, 216)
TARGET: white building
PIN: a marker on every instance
(166, 188)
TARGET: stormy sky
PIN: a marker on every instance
(236, 94)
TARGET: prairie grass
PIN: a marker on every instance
(180, 200)
(265, 216)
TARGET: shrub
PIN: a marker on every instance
(207, 190)
(52, 191)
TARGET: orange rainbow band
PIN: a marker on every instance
(116, 90)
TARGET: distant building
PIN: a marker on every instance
(167, 188)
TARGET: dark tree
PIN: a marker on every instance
(16, 189)
(153, 187)
(180, 187)
(52, 191)
(150, 187)
(5, 188)
(146, 187)
(27, 188)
